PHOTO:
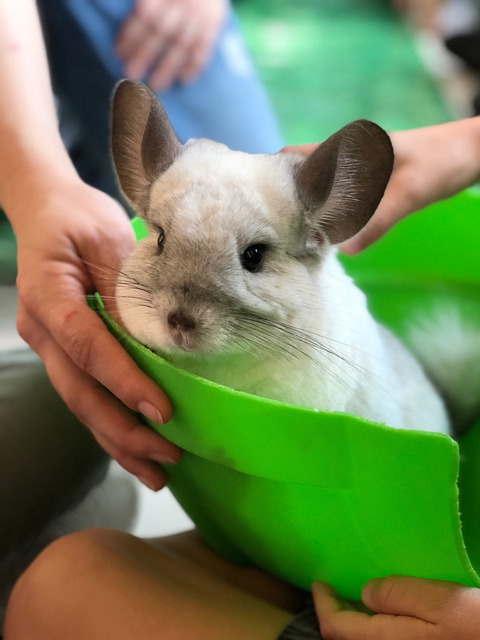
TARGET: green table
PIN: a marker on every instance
(312, 495)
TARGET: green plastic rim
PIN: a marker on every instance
(311, 495)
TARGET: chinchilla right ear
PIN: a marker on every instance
(143, 143)
(342, 182)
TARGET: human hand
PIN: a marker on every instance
(431, 163)
(423, 14)
(169, 40)
(403, 609)
(71, 241)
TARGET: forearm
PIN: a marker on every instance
(451, 149)
(431, 163)
(32, 154)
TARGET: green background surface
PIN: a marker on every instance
(313, 495)
(328, 62)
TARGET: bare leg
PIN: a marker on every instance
(104, 584)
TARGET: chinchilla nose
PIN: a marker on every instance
(180, 320)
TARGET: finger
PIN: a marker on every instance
(167, 69)
(400, 595)
(373, 231)
(50, 350)
(149, 474)
(82, 335)
(200, 51)
(142, 20)
(130, 37)
(98, 409)
(335, 619)
(338, 623)
(108, 431)
(304, 149)
(145, 56)
(170, 22)
(133, 445)
(387, 214)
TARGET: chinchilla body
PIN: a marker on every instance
(238, 279)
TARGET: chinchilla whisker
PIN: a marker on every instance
(138, 302)
(292, 339)
(118, 275)
(315, 341)
(261, 342)
(309, 339)
(105, 298)
(267, 342)
(335, 358)
(101, 269)
(250, 346)
(134, 286)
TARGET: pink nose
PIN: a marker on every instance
(181, 321)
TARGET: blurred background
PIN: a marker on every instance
(327, 62)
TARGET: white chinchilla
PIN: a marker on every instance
(238, 279)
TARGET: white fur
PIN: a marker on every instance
(448, 345)
(212, 203)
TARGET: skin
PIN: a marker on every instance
(431, 163)
(421, 13)
(105, 584)
(71, 239)
(163, 588)
(100, 583)
(169, 40)
(403, 609)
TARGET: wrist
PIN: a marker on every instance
(475, 127)
(29, 173)
(467, 149)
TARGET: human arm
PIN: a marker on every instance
(431, 163)
(164, 41)
(403, 609)
(71, 239)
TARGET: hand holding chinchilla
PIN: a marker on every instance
(238, 280)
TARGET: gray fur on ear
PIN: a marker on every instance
(342, 182)
(143, 142)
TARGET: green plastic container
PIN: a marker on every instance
(313, 495)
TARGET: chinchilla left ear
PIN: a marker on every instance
(143, 143)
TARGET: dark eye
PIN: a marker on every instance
(252, 257)
(160, 239)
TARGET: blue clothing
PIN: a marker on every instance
(226, 102)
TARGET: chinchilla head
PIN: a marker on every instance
(236, 242)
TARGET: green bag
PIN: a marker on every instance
(312, 495)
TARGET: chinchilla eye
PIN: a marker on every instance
(252, 257)
(160, 239)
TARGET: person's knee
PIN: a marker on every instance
(56, 577)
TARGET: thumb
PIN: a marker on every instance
(104, 262)
(405, 596)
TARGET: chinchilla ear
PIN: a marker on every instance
(343, 181)
(143, 143)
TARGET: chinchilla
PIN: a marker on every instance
(238, 279)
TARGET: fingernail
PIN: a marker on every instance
(148, 483)
(370, 587)
(163, 459)
(349, 248)
(151, 412)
